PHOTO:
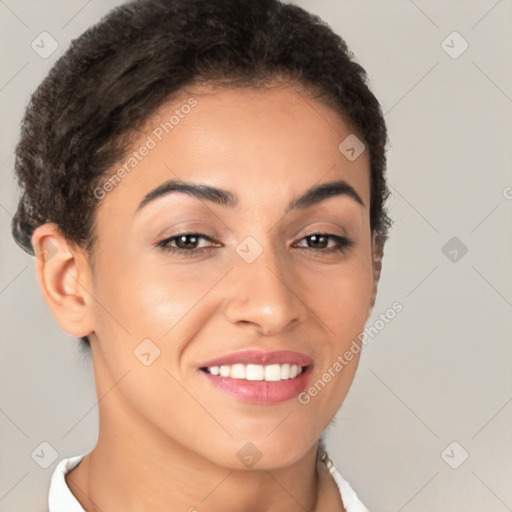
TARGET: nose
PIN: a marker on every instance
(265, 294)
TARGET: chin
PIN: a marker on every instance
(263, 452)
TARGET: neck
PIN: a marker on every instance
(125, 476)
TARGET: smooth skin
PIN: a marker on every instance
(168, 440)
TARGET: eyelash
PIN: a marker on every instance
(343, 244)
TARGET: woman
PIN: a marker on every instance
(203, 187)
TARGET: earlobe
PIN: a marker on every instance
(63, 276)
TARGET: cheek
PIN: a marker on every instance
(150, 296)
(153, 297)
(340, 297)
(143, 301)
(341, 301)
(167, 295)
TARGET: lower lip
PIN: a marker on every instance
(261, 391)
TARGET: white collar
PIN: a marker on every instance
(61, 499)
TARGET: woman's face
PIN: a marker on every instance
(257, 278)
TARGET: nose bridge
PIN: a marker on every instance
(263, 293)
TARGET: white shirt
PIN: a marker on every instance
(61, 498)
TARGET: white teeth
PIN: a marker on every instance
(252, 372)
(273, 372)
(285, 371)
(238, 371)
(269, 373)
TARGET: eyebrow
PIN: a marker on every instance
(223, 197)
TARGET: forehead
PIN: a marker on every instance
(251, 140)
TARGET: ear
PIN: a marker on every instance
(64, 276)
(378, 242)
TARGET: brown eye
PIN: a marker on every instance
(320, 241)
(184, 244)
(186, 241)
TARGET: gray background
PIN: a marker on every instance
(440, 371)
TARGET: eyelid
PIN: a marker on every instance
(342, 244)
(324, 227)
(162, 241)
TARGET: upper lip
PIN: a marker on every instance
(260, 357)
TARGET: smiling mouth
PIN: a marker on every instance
(256, 372)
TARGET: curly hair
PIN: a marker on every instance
(80, 119)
